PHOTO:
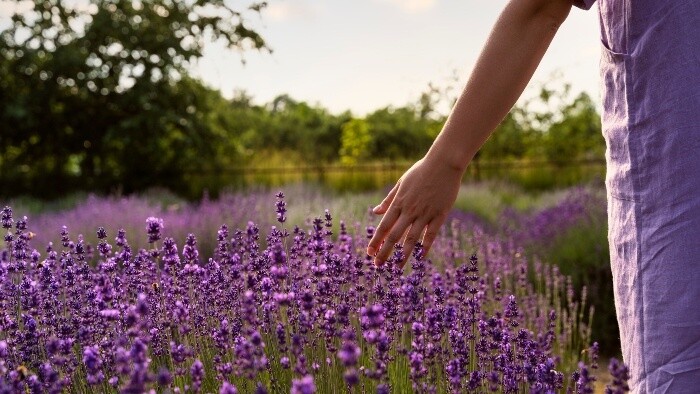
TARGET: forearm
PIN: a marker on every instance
(512, 52)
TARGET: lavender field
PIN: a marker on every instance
(260, 292)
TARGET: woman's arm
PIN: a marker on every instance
(423, 196)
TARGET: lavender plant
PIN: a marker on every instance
(573, 235)
(298, 310)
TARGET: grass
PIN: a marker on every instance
(488, 199)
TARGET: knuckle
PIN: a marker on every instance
(417, 211)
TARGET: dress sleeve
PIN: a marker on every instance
(584, 4)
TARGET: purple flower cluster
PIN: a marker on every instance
(620, 375)
(577, 207)
(154, 226)
(281, 208)
(296, 310)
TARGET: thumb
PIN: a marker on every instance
(384, 205)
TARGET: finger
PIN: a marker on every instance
(412, 238)
(431, 233)
(386, 203)
(394, 237)
(382, 230)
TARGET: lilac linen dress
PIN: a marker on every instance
(650, 85)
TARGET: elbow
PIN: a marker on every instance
(551, 13)
(552, 22)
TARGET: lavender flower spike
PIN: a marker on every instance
(304, 385)
(154, 226)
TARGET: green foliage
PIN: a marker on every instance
(582, 252)
(577, 134)
(311, 131)
(510, 140)
(96, 96)
(356, 140)
(285, 128)
(553, 140)
(553, 127)
(399, 133)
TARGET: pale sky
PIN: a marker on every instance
(366, 54)
(363, 55)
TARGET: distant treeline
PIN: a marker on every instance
(111, 107)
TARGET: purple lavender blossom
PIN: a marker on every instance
(120, 240)
(197, 374)
(133, 312)
(585, 380)
(164, 378)
(281, 208)
(284, 362)
(349, 353)
(93, 365)
(620, 375)
(260, 389)
(101, 233)
(154, 227)
(594, 351)
(351, 377)
(372, 317)
(228, 388)
(304, 385)
(6, 218)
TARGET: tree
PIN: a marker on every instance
(577, 134)
(356, 141)
(91, 94)
(510, 140)
(399, 133)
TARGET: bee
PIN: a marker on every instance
(156, 287)
(31, 235)
(23, 372)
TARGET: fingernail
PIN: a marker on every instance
(371, 251)
(375, 209)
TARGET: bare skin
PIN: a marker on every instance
(417, 206)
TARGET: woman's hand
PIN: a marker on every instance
(418, 203)
(425, 193)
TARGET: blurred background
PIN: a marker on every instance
(208, 96)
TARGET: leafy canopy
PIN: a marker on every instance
(94, 93)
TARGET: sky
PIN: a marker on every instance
(363, 55)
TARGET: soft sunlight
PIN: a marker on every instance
(412, 5)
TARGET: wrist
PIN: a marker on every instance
(447, 158)
(450, 155)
